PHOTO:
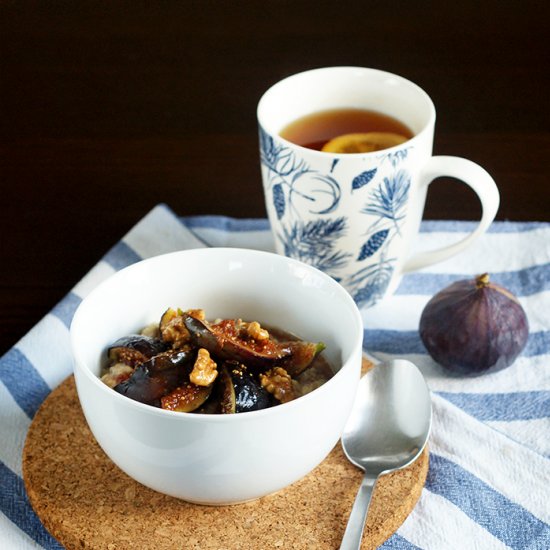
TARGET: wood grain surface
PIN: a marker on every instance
(108, 108)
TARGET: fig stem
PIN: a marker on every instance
(482, 280)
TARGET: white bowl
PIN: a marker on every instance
(219, 459)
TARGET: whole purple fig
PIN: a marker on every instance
(474, 326)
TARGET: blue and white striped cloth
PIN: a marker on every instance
(489, 480)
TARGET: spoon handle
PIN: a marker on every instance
(356, 522)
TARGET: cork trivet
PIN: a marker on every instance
(85, 501)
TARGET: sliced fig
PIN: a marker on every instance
(224, 340)
(225, 392)
(302, 355)
(155, 378)
(134, 349)
(186, 398)
(249, 393)
(147, 387)
(168, 360)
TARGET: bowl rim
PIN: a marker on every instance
(81, 367)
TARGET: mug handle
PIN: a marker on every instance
(483, 185)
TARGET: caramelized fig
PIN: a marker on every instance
(186, 398)
(226, 392)
(231, 366)
(155, 378)
(249, 393)
(134, 349)
(224, 340)
(146, 387)
(302, 355)
(168, 360)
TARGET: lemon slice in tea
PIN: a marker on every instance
(363, 143)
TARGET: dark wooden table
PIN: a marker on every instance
(109, 108)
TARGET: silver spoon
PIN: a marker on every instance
(386, 431)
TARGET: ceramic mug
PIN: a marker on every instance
(355, 216)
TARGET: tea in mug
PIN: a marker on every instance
(347, 131)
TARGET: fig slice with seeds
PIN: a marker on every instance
(224, 340)
(134, 349)
(186, 398)
(155, 377)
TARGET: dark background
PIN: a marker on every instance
(109, 108)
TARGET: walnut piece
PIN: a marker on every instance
(204, 370)
(173, 329)
(197, 314)
(255, 331)
(151, 330)
(278, 383)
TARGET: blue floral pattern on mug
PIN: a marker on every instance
(387, 204)
(296, 189)
(315, 243)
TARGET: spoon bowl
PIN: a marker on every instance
(386, 431)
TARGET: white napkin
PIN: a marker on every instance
(489, 480)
